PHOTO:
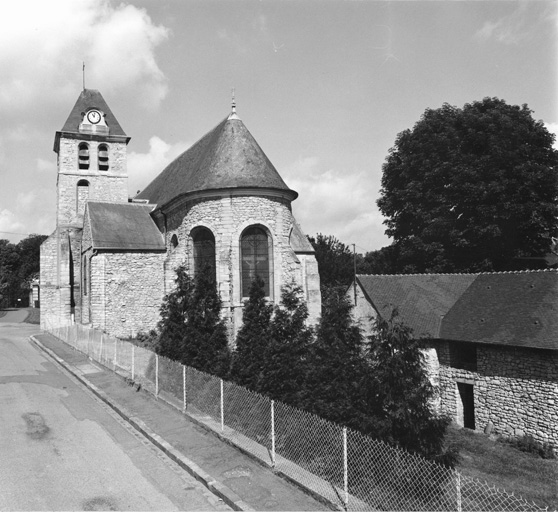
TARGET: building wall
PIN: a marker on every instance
(125, 291)
(515, 389)
(227, 216)
(59, 262)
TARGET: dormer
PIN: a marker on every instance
(93, 121)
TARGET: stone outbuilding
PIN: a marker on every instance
(221, 203)
(493, 341)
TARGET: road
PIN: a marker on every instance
(63, 449)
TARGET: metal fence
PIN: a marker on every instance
(346, 467)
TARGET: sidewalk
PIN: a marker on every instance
(242, 482)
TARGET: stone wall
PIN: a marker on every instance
(226, 217)
(515, 389)
(110, 186)
(126, 291)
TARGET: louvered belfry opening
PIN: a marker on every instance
(83, 156)
(103, 157)
(255, 258)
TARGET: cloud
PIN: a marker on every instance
(10, 225)
(144, 167)
(517, 27)
(46, 166)
(337, 202)
(25, 200)
(43, 44)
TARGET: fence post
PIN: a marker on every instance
(183, 388)
(115, 345)
(458, 485)
(222, 408)
(101, 349)
(156, 375)
(133, 361)
(345, 468)
(273, 433)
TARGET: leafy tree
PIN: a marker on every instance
(9, 264)
(399, 393)
(285, 360)
(335, 261)
(191, 329)
(469, 189)
(252, 338)
(336, 366)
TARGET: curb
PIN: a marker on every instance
(222, 491)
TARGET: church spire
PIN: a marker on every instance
(233, 107)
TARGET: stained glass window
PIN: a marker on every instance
(255, 258)
(204, 249)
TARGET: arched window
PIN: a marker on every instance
(85, 275)
(83, 156)
(255, 257)
(103, 157)
(204, 249)
(82, 195)
(174, 241)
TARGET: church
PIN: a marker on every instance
(220, 205)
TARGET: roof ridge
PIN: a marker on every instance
(527, 271)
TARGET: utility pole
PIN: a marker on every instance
(354, 273)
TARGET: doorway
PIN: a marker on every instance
(467, 398)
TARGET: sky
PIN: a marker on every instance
(324, 86)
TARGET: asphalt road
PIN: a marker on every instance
(63, 449)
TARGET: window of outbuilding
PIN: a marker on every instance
(83, 156)
(103, 157)
(255, 256)
(463, 355)
(204, 250)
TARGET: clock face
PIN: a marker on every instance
(93, 116)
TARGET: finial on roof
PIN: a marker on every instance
(233, 107)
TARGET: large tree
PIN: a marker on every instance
(470, 189)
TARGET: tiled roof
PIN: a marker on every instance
(227, 157)
(91, 98)
(517, 309)
(124, 227)
(502, 308)
(421, 300)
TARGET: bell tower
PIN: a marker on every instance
(91, 149)
(91, 157)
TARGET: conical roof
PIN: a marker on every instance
(227, 157)
(91, 98)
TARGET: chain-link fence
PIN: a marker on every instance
(346, 467)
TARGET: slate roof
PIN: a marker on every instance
(502, 308)
(299, 241)
(123, 227)
(91, 98)
(227, 157)
(422, 300)
(518, 309)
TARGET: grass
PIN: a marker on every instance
(503, 465)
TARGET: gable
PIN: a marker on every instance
(123, 227)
